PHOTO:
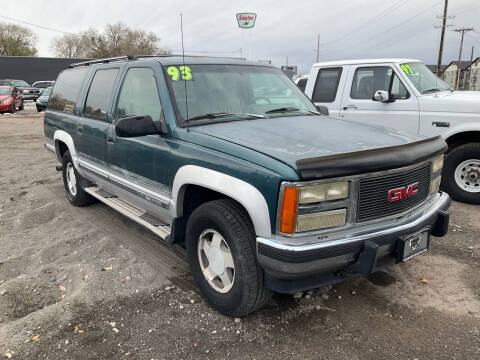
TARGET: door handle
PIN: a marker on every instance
(80, 129)
(441, 123)
(353, 107)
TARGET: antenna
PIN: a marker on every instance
(183, 60)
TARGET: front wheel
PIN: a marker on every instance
(461, 173)
(220, 243)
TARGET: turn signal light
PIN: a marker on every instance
(288, 216)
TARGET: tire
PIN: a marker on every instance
(76, 196)
(232, 223)
(21, 107)
(462, 167)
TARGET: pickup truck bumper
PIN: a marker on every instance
(290, 268)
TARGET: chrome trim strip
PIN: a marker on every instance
(148, 194)
(438, 205)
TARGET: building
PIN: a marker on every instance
(433, 68)
(472, 75)
(32, 68)
(449, 74)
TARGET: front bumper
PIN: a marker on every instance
(5, 107)
(290, 268)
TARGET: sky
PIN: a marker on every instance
(349, 29)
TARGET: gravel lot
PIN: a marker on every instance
(87, 283)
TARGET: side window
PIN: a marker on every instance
(368, 80)
(139, 95)
(66, 89)
(96, 105)
(326, 85)
(302, 83)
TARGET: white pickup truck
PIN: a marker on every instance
(404, 94)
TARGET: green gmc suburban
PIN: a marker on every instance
(231, 159)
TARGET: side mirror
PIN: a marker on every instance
(134, 126)
(382, 96)
(322, 109)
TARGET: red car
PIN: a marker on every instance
(10, 99)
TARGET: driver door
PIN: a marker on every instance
(357, 104)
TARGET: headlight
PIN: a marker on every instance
(321, 220)
(437, 164)
(24, 91)
(297, 215)
(435, 184)
(323, 192)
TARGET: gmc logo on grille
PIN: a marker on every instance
(403, 192)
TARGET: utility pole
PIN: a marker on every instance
(318, 48)
(442, 38)
(463, 31)
(287, 61)
(470, 72)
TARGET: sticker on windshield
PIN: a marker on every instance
(184, 72)
(407, 69)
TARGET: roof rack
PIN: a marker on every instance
(103, 61)
(133, 57)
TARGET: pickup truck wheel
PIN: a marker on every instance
(72, 181)
(220, 243)
(461, 173)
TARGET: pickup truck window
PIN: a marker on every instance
(233, 91)
(368, 80)
(139, 95)
(423, 79)
(65, 92)
(302, 83)
(326, 85)
(97, 98)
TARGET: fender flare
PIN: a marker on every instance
(66, 138)
(244, 193)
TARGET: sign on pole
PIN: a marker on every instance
(246, 20)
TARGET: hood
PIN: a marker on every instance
(448, 101)
(295, 138)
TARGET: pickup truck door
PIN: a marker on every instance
(139, 166)
(362, 83)
(327, 87)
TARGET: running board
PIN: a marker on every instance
(140, 216)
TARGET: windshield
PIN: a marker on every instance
(423, 79)
(234, 92)
(20, 83)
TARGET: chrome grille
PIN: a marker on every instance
(373, 202)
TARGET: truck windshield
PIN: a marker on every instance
(423, 79)
(213, 93)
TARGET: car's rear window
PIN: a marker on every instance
(65, 92)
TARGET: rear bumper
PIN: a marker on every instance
(291, 268)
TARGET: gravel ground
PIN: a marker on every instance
(87, 283)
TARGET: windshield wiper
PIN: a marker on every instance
(282, 109)
(433, 90)
(222, 114)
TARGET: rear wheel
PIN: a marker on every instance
(461, 173)
(220, 244)
(72, 182)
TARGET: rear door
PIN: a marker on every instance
(362, 83)
(327, 87)
(92, 126)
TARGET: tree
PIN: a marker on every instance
(17, 40)
(115, 40)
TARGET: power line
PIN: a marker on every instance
(36, 25)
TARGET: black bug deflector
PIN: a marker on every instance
(368, 161)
